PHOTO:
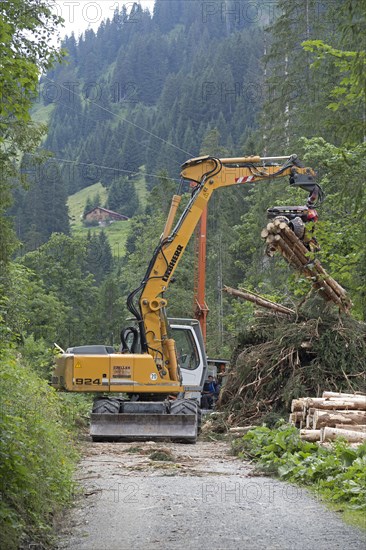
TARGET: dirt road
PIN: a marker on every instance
(201, 499)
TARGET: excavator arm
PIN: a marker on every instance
(209, 174)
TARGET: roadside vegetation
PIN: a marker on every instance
(336, 473)
(37, 453)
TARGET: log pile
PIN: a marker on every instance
(333, 415)
(280, 238)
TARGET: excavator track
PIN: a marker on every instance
(280, 238)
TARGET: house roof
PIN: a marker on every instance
(111, 212)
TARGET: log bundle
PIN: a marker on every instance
(333, 415)
(280, 238)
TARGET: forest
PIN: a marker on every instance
(123, 107)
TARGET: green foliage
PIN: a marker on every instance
(348, 94)
(61, 265)
(26, 29)
(92, 202)
(99, 259)
(36, 455)
(338, 474)
(25, 50)
(122, 197)
(38, 356)
(26, 307)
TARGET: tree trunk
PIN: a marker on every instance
(298, 404)
(296, 418)
(241, 429)
(258, 300)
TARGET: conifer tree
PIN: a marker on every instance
(122, 197)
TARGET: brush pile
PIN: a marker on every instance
(283, 357)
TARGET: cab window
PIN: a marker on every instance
(188, 357)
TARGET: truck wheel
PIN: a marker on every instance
(183, 406)
(187, 406)
(105, 405)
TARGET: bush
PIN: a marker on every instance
(36, 455)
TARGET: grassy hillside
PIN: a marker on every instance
(117, 231)
(77, 202)
(40, 113)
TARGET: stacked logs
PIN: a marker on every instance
(279, 237)
(330, 416)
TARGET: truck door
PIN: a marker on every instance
(191, 358)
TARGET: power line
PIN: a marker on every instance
(118, 116)
(97, 121)
(105, 167)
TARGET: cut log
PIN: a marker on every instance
(337, 404)
(309, 415)
(296, 418)
(298, 404)
(241, 429)
(357, 428)
(331, 418)
(290, 254)
(297, 254)
(336, 286)
(280, 237)
(258, 300)
(341, 395)
(310, 435)
(330, 434)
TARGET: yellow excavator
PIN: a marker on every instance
(151, 388)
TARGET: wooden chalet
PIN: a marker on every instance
(100, 214)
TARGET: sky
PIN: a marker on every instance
(80, 15)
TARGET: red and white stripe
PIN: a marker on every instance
(244, 179)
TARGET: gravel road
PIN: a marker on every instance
(204, 499)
